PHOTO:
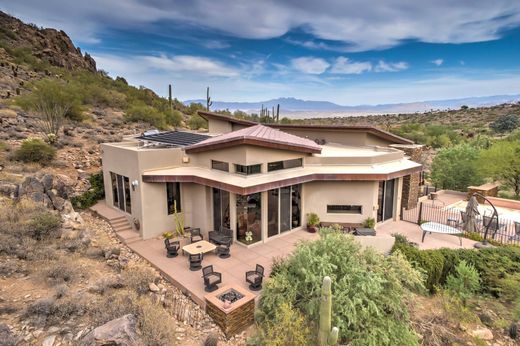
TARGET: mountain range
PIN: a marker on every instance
(297, 108)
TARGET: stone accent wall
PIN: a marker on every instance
(410, 194)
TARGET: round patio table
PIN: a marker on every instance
(434, 227)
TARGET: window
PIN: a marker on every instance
(113, 179)
(344, 209)
(128, 202)
(278, 165)
(121, 192)
(249, 218)
(248, 170)
(173, 197)
(221, 166)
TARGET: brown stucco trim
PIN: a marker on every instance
(280, 183)
(357, 128)
(251, 141)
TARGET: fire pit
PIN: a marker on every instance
(232, 308)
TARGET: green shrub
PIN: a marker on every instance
(45, 225)
(197, 122)
(491, 264)
(148, 114)
(464, 283)
(505, 123)
(138, 278)
(509, 287)
(35, 150)
(94, 194)
(368, 290)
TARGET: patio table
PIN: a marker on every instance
(201, 246)
(434, 227)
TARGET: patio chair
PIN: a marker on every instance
(222, 236)
(211, 278)
(223, 250)
(517, 232)
(172, 248)
(255, 278)
(494, 225)
(195, 235)
(195, 262)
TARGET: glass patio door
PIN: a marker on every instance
(220, 209)
(385, 197)
(121, 192)
(249, 218)
(283, 212)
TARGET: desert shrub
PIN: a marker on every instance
(148, 114)
(35, 150)
(509, 287)
(464, 283)
(173, 118)
(8, 268)
(49, 311)
(106, 284)
(45, 225)
(491, 264)
(505, 123)
(61, 271)
(368, 290)
(138, 278)
(6, 336)
(289, 327)
(197, 122)
(94, 194)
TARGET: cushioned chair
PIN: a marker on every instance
(221, 236)
(211, 278)
(195, 262)
(223, 249)
(195, 235)
(255, 278)
(172, 248)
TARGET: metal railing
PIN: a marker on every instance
(505, 231)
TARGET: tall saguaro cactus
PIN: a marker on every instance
(326, 335)
(208, 100)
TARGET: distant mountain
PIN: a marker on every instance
(302, 108)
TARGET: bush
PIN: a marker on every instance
(368, 290)
(94, 194)
(142, 112)
(492, 264)
(138, 278)
(61, 271)
(45, 225)
(464, 283)
(49, 311)
(197, 122)
(505, 123)
(35, 150)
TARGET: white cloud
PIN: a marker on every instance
(344, 65)
(383, 66)
(361, 25)
(310, 65)
(437, 62)
(192, 64)
(216, 44)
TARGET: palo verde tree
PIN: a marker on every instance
(502, 162)
(50, 101)
(505, 123)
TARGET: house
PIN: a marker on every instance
(260, 179)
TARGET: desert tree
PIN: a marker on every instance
(502, 162)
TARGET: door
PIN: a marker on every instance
(220, 209)
(120, 192)
(385, 200)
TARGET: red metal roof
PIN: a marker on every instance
(258, 135)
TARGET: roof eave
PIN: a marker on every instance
(251, 141)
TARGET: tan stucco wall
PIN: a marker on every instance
(219, 126)
(317, 195)
(330, 136)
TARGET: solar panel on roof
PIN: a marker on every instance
(176, 138)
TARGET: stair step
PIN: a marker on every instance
(122, 224)
(119, 220)
(121, 229)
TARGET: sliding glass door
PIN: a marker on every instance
(283, 209)
(121, 192)
(249, 218)
(386, 194)
(220, 209)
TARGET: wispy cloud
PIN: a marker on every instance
(344, 65)
(437, 62)
(193, 64)
(310, 65)
(216, 44)
(383, 66)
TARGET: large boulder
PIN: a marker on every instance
(121, 331)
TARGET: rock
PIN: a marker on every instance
(49, 341)
(482, 333)
(486, 318)
(47, 181)
(121, 331)
(153, 287)
(31, 185)
(9, 190)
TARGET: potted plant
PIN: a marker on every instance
(167, 235)
(249, 236)
(312, 222)
(369, 222)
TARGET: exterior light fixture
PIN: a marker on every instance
(135, 183)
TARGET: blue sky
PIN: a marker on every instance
(346, 51)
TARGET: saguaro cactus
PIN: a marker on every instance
(208, 100)
(326, 335)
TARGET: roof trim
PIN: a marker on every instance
(395, 139)
(280, 183)
(251, 141)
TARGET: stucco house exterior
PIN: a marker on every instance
(256, 178)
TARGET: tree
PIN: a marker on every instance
(50, 100)
(505, 123)
(197, 122)
(502, 162)
(456, 168)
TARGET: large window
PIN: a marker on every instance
(121, 192)
(385, 199)
(344, 209)
(220, 209)
(248, 170)
(278, 165)
(173, 197)
(283, 210)
(219, 165)
(249, 218)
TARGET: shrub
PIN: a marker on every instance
(505, 123)
(492, 264)
(138, 278)
(368, 290)
(61, 271)
(464, 283)
(147, 114)
(197, 122)
(94, 194)
(45, 225)
(34, 150)
(49, 311)
(7, 337)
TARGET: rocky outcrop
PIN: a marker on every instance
(121, 331)
(52, 190)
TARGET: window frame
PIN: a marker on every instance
(215, 163)
(343, 209)
(248, 169)
(284, 164)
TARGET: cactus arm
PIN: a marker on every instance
(326, 336)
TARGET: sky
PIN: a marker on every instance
(350, 52)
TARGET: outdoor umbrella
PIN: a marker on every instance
(470, 224)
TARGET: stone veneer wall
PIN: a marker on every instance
(410, 195)
(234, 322)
